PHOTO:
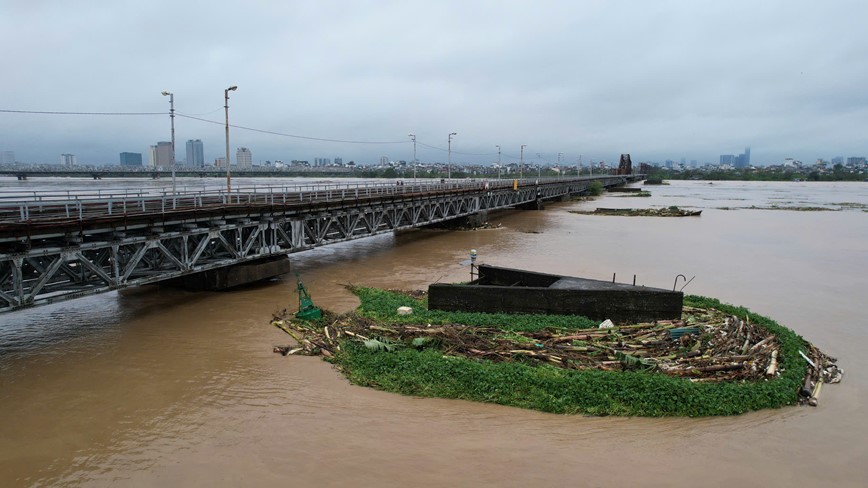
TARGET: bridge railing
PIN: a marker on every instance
(20, 206)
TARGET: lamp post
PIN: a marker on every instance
(559, 163)
(449, 157)
(579, 166)
(172, 119)
(521, 162)
(498, 161)
(226, 106)
(413, 137)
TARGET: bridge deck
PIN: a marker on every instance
(69, 244)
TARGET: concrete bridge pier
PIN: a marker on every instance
(232, 276)
(537, 204)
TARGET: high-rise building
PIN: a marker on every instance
(163, 154)
(7, 157)
(339, 161)
(152, 156)
(727, 159)
(131, 159)
(321, 162)
(195, 154)
(243, 157)
(220, 163)
(384, 160)
(67, 160)
(743, 160)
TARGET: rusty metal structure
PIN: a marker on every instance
(625, 166)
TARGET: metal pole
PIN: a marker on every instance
(172, 119)
(559, 163)
(226, 106)
(498, 162)
(449, 157)
(521, 163)
(413, 136)
(538, 171)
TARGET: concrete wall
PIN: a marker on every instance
(502, 290)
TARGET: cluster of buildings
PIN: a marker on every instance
(737, 161)
(161, 155)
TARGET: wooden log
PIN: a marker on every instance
(806, 387)
(760, 344)
(773, 364)
(720, 367)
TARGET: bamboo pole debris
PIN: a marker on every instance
(821, 369)
(715, 347)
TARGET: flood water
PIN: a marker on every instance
(163, 387)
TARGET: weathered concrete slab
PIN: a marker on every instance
(505, 290)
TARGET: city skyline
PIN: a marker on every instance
(671, 80)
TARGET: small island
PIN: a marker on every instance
(717, 359)
(671, 211)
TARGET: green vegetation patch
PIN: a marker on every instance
(425, 369)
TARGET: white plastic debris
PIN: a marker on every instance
(405, 310)
(607, 324)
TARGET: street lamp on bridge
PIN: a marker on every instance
(172, 119)
(226, 106)
(521, 162)
(413, 138)
(449, 157)
(498, 161)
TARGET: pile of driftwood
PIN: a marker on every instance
(821, 369)
(642, 212)
(706, 345)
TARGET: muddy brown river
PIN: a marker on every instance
(164, 387)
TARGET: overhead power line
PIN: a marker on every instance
(294, 136)
(252, 129)
(457, 152)
(78, 113)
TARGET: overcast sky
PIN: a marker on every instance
(658, 79)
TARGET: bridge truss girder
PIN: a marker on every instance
(62, 268)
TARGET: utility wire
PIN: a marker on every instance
(456, 152)
(295, 136)
(252, 129)
(79, 113)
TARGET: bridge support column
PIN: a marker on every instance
(471, 221)
(534, 205)
(232, 276)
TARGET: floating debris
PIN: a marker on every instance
(672, 211)
(705, 345)
(821, 369)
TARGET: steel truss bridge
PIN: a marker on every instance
(63, 245)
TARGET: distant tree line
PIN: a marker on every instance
(838, 173)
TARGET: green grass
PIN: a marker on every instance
(430, 373)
